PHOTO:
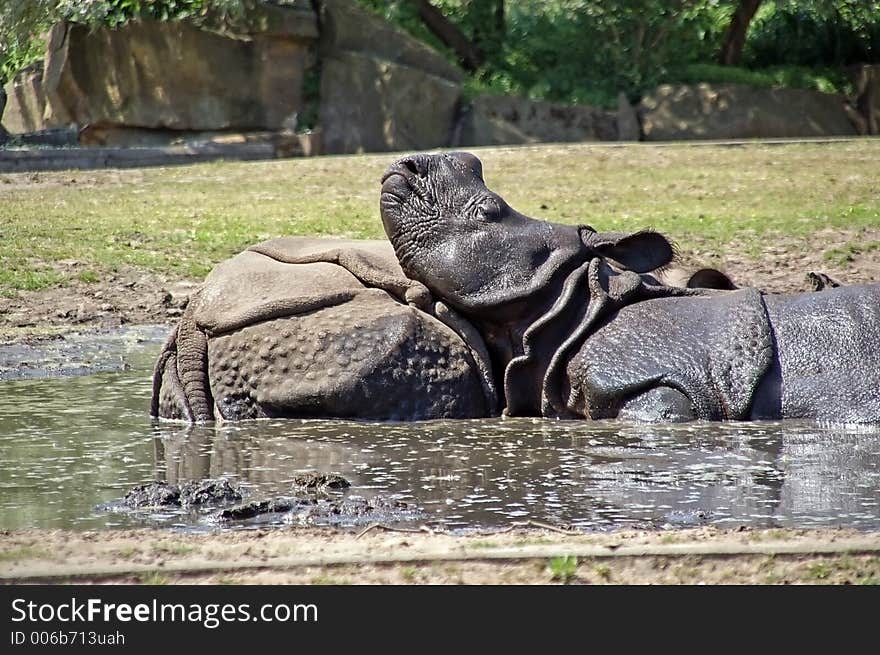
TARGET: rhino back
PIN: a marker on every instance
(368, 358)
(306, 328)
(827, 362)
(714, 349)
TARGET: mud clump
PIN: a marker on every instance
(316, 499)
(320, 511)
(153, 494)
(190, 494)
(254, 509)
(319, 482)
(209, 492)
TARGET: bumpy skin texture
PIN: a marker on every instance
(478, 309)
(576, 325)
(827, 359)
(714, 350)
(317, 328)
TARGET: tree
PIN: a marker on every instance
(735, 37)
(469, 55)
(473, 30)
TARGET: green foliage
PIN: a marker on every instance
(23, 22)
(797, 77)
(587, 51)
(563, 569)
(817, 33)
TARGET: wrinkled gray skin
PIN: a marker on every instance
(297, 327)
(576, 327)
(489, 310)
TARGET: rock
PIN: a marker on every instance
(506, 120)
(734, 111)
(25, 100)
(628, 127)
(346, 27)
(55, 137)
(370, 104)
(381, 89)
(173, 75)
(864, 110)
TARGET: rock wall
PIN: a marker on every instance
(381, 89)
(174, 76)
(169, 76)
(25, 100)
(508, 120)
(155, 83)
(734, 111)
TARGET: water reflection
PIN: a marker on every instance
(592, 476)
(68, 445)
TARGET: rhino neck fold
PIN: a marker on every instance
(535, 382)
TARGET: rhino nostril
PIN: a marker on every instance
(410, 165)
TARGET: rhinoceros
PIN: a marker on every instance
(473, 309)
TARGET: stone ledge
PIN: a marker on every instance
(13, 161)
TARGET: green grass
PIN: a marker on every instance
(563, 569)
(603, 571)
(152, 578)
(183, 220)
(846, 253)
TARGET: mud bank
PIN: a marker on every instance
(378, 555)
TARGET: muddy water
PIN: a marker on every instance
(71, 445)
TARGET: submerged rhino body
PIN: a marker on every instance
(472, 309)
(314, 328)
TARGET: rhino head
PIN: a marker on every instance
(479, 254)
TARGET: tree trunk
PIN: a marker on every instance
(500, 21)
(469, 55)
(735, 37)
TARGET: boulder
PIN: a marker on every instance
(735, 111)
(369, 104)
(507, 120)
(25, 101)
(347, 27)
(864, 110)
(628, 127)
(173, 75)
(381, 89)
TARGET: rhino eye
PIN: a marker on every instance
(488, 209)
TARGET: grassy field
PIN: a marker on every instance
(183, 220)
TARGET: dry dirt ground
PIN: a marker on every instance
(379, 556)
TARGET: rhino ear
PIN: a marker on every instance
(640, 252)
(469, 160)
(710, 278)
